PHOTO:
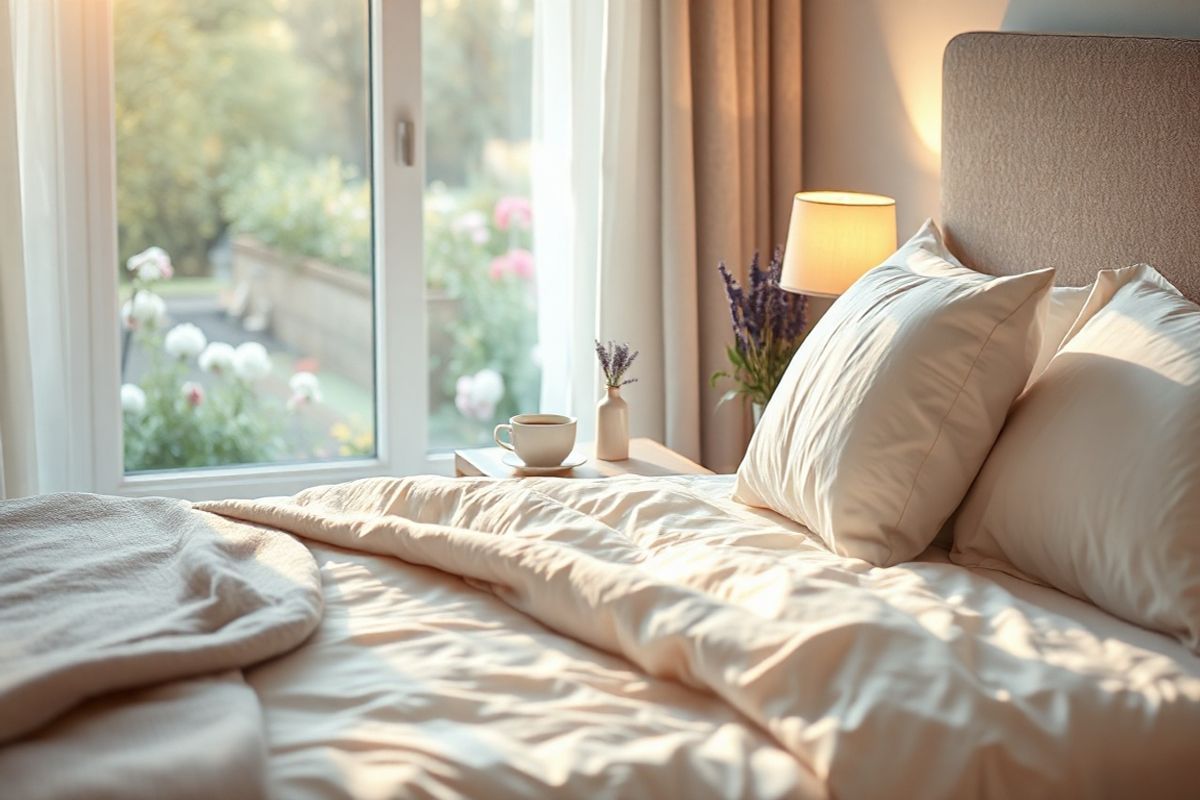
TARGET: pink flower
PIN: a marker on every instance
(476, 396)
(307, 364)
(512, 210)
(517, 262)
(193, 393)
(520, 263)
(498, 268)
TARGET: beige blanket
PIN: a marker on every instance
(924, 681)
(103, 594)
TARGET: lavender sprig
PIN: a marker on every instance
(769, 324)
(615, 361)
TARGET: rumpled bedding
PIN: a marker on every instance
(123, 624)
(786, 669)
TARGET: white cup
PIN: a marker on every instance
(540, 440)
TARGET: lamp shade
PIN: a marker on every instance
(833, 238)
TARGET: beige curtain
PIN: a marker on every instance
(701, 155)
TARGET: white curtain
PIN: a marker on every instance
(36, 417)
(568, 48)
(597, 205)
(666, 143)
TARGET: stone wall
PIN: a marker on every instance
(318, 311)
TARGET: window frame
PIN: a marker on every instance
(88, 174)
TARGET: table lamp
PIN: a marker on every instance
(833, 238)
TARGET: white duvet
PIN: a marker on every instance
(648, 637)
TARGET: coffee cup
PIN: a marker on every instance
(540, 440)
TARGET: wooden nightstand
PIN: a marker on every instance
(646, 457)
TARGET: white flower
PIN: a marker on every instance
(184, 341)
(151, 264)
(306, 388)
(476, 395)
(133, 399)
(489, 386)
(473, 224)
(469, 221)
(146, 309)
(217, 358)
(251, 362)
(438, 199)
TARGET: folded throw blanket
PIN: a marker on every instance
(100, 594)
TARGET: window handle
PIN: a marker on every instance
(404, 142)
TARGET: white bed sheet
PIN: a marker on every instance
(406, 690)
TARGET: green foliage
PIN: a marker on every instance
(330, 38)
(171, 422)
(756, 373)
(471, 49)
(492, 316)
(197, 81)
(318, 210)
(233, 424)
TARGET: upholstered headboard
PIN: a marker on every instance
(1077, 152)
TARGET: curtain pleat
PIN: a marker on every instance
(746, 81)
(40, 417)
(680, 279)
(18, 462)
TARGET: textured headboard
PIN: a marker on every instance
(1076, 152)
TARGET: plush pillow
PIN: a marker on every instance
(1094, 485)
(891, 404)
(926, 253)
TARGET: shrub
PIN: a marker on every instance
(172, 422)
(304, 209)
(477, 251)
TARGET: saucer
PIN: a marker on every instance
(574, 460)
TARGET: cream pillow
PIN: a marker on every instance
(926, 253)
(890, 406)
(1094, 485)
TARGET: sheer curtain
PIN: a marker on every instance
(568, 49)
(666, 143)
(17, 460)
(37, 410)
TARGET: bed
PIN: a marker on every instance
(642, 637)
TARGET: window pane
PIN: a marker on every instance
(244, 206)
(477, 73)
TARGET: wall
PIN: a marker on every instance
(872, 81)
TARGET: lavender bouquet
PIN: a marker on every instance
(768, 326)
(615, 360)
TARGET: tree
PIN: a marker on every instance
(468, 49)
(197, 81)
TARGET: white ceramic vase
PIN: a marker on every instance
(612, 426)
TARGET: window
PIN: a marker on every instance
(245, 229)
(250, 242)
(296, 271)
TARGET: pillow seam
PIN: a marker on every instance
(958, 396)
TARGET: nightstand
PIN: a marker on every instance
(646, 457)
